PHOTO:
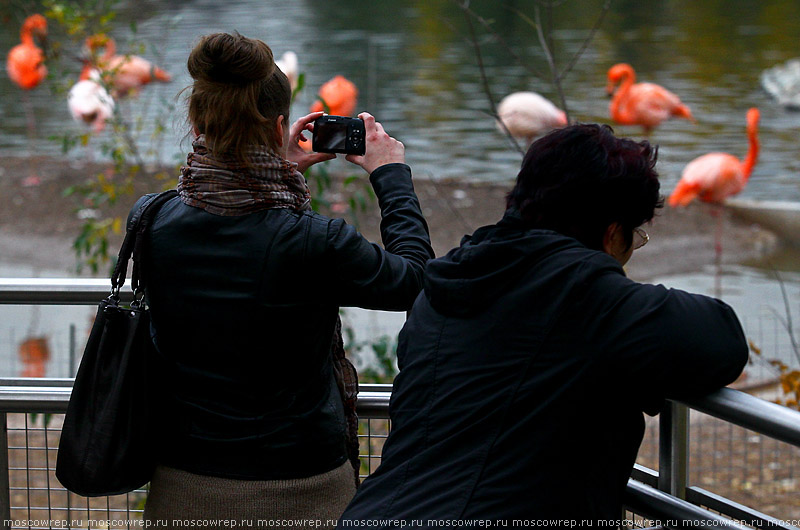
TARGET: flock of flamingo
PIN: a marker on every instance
(710, 178)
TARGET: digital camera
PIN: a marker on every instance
(339, 134)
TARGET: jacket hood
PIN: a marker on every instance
(489, 261)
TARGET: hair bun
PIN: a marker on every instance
(226, 58)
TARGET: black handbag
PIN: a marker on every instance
(107, 441)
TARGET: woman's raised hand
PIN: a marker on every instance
(381, 148)
(295, 153)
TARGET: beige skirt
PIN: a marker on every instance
(179, 499)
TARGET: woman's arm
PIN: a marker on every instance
(364, 274)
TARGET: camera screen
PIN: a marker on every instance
(330, 135)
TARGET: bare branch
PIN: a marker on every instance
(587, 41)
(467, 227)
(484, 79)
(549, 55)
(533, 71)
(548, 32)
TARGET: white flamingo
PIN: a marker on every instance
(527, 115)
(90, 103)
(288, 65)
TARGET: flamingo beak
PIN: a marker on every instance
(610, 88)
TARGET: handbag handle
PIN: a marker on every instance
(132, 244)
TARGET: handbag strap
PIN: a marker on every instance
(132, 245)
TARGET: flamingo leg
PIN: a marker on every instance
(32, 179)
(717, 213)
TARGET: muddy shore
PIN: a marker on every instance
(38, 223)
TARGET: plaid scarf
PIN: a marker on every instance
(226, 186)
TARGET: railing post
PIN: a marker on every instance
(673, 449)
(5, 486)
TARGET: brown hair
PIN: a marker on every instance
(238, 93)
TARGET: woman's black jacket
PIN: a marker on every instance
(243, 310)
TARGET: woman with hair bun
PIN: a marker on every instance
(244, 286)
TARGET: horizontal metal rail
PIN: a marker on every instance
(715, 502)
(58, 291)
(670, 511)
(30, 395)
(752, 413)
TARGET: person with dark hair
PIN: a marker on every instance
(529, 358)
(244, 284)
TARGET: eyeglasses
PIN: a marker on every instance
(640, 238)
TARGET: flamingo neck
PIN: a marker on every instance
(752, 153)
(111, 49)
(26, 36)
(626, 82)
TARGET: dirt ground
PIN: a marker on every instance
(38, 223)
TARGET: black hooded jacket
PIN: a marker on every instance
(525, 366)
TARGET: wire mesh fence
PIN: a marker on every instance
(741, 465)
(745, 466)
(39, 501)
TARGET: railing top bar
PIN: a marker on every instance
(37, 381)
(17, 397)
(374, 387)
(34, 399)
(730, 405)
(56, 291)
(751, 413)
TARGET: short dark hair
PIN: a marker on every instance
(580, 179)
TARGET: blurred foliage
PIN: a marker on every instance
(125, 132)
(788, 379)
(376, 360)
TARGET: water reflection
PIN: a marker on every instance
(416, 72)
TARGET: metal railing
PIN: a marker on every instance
(664, 496)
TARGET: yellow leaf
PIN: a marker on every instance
(778, 364)
(753, 348)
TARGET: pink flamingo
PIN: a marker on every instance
(126, 74)
(339, 94)
(25, 62)
(90, 103)
(527, 115)
(713, 177)
(25, 67)
(645, 104)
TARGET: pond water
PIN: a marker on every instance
(417, 72)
